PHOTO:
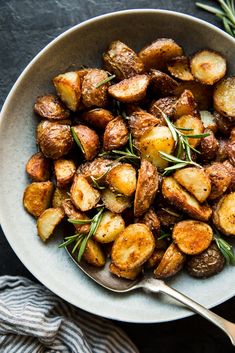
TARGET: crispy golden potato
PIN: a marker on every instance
(59, 196)
(37, 197)
(192, 237)
(93, 254)
(224, 214)
(110, 226)
(98, 117)
(157, 54)
(122, 179)
(179, 68)
(115, 202)
(64, 171)
(161, 83)
(47, 222)
(122, 61)
(208, 120)
(133, 247)
(55, 140)
(186, 105)
(168, 217)
(171, 263)
(208, 66)
(115, 134)
(191, 122)
(68, 87)
(128, 274)
(73, 214)
(159, 138)
(220, 179)
(155, 258)
(96, 169)
(209, 146)
(83, 195)
(181, 199)
(224, 97)
(131, 89)
(151, 220)
(89, 141)
(38, 167)
(147, 185)
(231, 170)
(95, 94)
(140, 122)
(195, 181)
(166, 105)
(50, 107)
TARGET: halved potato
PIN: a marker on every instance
(88, 139)
(38, 167)
(37, 197)
(94, 254)
(191, 122)
(171, 263)
(68, 87)
(140, 122)
(115, 202)
(195, 180)
(155, 258)
(122, 179)
(181, 199)
(83, 195)
(208, 66)
(110, 226)
(95, 94)
(47, 222)
(72, 213)
(168, 216)
(50, 107)
(224, 214)
(64, 171)
(151, 220)
(209, 146)
(231, 170)
(223, 97)
(192, 237)
(97, 169)
(59, 196)
(98, 117)
(208, 120)
(220, 179)
(165, 105)
(130, 90)
(179, 68)
(186, 105)
(162, 84)
(133, 247)
(115, 134)
(128, 274)
(224, 124)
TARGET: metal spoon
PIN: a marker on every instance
(104, 278)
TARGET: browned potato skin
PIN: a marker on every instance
(140, 122)
(97, 169)
(161, 83)
(151, 220)
(64, 171)
(72, 213)
(167, 219)
(147, 185)
(209, 146)
(92, 96)
(222, 103)
(50, 107)
(220, 179)
(166, 105)
(179, 68)
(59, 196)
(155, 258)
(186, 105)
(38, 167)
(128, 274)
(115, 134)
(122, 61)
(89, 141)
(157, 54)
(221, 154)
(224, 124)
(98, 118)
(224, 215)
(231, 171)
(37, 197)
(55, 140)
(171, 263)
(230, 149)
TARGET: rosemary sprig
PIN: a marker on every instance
(105, 81)
(76, 139)
(225, 248)
(96, 184)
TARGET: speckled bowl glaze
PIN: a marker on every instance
(84, 44)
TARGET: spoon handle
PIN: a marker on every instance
(157, 286)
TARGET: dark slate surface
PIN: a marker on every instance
(26, 26)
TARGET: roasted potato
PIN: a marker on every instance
(155, 258)
(230, 149)
(55, 140)
(64, 171)
(37, 197)
(94, 254)
(162, 84)
(133, 246)
(171, 263)
(147, 185)
(224, 214)
(98, 117)
(97, 169)
(128, 274)
(208, 120)
(122, 179)
(151, 220)
(157, 54)
(83, 195)
(179, 68)
(68, 88)
(186, 105)
(73, 214)
(181, 199)
(224, 124)
(220, 179)
(208, 66)
(59, 196)
(50, 107)
(207, 264)
(115, 134)
(38, 167)
(165, 105)
(221, 154)
(195, 181)
(140, 122)
(191, 122)
(95, 94)
(88, 139)
(209, 146)
(115, 202)
(168, 217)
(47, 222)
(224, 97)
(110, 226)
(231, 170)
(122, 61)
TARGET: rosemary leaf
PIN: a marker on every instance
(225, 248)
(196, 136)
(105, 81)
(208, 8)
(96, 184)
(76, 139)
(79, 221)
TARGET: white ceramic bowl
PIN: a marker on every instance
(83, 44)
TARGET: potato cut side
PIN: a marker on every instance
(64, 171)
(181, 199)
(191, 122)
(208, 120)
(130, 90)
(37, 197)
(38, 167)
(224, 214)
(223, 97)
(133, 247)
(162, 84)
(50, 107)
(59, 196)
(68, 87)
(110, 226)
(171, 263)
(98, 117)
(186, 105)
(115, 134)
(140, 122)
(88, 139)
(122, 179)
(220, 178)
(195, 180)
(127, 274)
(47, 222)
(208, 66)
(155, 258)
(73, 214)
(83, 195)
(94, 91)
(159, 138)
(115, 202)
(192, 237)
(179, 68)
(94, 254)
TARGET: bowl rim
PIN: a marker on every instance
(5, 224)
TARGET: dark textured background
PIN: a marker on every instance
(26, 26)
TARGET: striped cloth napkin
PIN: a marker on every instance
(34, 320)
